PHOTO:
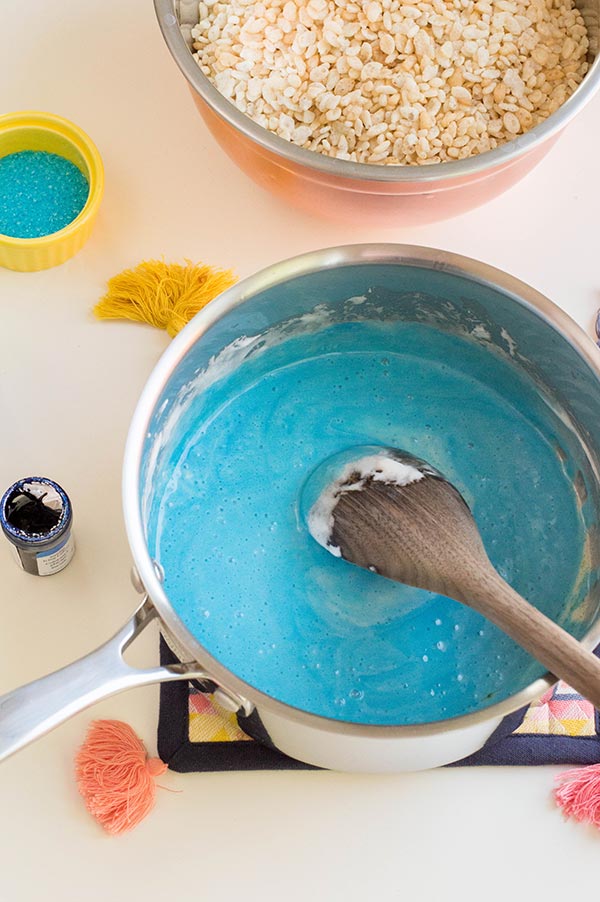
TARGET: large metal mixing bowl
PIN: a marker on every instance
(409, 195)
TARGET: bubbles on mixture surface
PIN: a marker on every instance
(282, 613)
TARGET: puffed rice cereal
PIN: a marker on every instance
(386, 81)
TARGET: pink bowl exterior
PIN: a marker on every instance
(376, 203)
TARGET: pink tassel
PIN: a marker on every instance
(115, 775)
(579, 794)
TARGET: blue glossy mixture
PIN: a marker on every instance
(278, 610)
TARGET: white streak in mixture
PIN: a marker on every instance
(510, 342)
(352, 478)
(480, 332)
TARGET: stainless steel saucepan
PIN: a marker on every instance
(454, 293)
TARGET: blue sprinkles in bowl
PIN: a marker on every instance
(40, 193)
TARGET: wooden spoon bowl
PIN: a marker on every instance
(394, 514)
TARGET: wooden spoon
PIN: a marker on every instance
(394, 514)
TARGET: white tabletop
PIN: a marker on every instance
(68, 387)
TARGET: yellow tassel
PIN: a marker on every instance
(166, 295)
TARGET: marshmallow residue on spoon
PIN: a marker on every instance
(379, 467)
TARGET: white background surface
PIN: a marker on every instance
(68, 387)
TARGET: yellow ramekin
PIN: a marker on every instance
(30, 130)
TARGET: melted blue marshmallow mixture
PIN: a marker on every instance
(277, 609)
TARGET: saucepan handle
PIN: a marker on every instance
(33, 710)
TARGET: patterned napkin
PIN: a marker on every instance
(194, 734)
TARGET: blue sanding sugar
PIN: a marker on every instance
(40, 193)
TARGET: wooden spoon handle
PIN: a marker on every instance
(551, 645)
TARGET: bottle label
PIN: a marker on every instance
(49, 562)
